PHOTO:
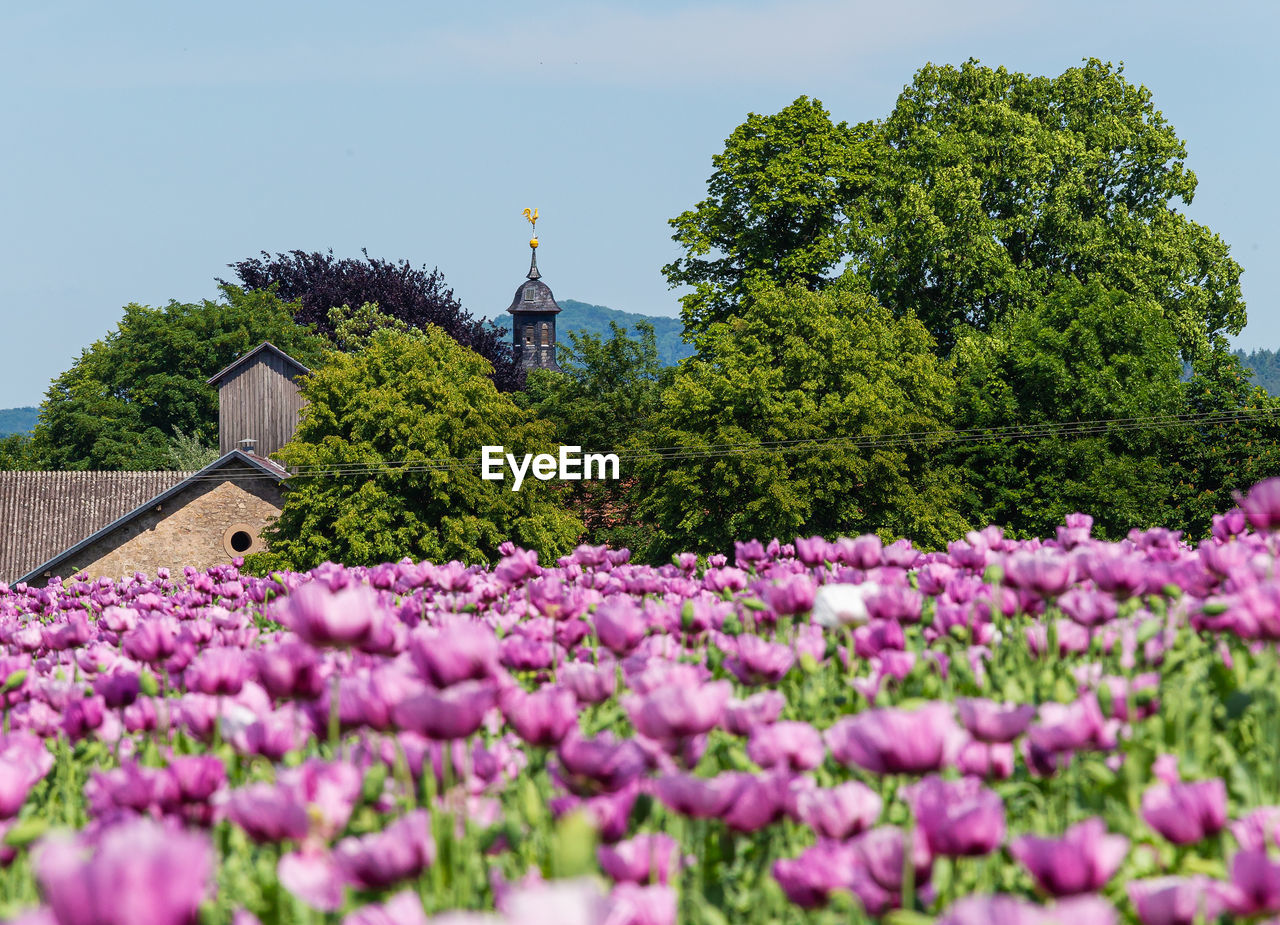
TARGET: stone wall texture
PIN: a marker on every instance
(192, 527)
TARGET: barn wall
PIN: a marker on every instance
(261, 402)
(191, 528)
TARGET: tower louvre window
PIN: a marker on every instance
(546, 333)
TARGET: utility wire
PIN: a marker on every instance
(1057, 429)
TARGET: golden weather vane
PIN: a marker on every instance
(531, 215)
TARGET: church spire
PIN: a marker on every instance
(532, 216)
(533, 312)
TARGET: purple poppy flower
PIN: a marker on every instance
(759, 661)
(267, 813)
(863, 552)
(892, 741)
(793, 745)
(1258, 830)
(1179, 900)
(24, 761)
(330, 619)
(1185, 813)
(813, 551)
(620, 624)
(1088, 608)
(633, 904)
(1067, 727)
(1013, 910)
(994, 722)
(289, 670)
(1044, 572)
(790, 595)
(543, 717)
(959, 818)
(810, 879)
(405, 908)
(1256, 881)
(517, 566)
(760, 709)
(643, 859)
(676, 712)
(272, 735)
(1261, 506)
(152, 641)
(219, 671)
(83, 716)
(1081, 861)
(988, 761)
(313, 876)
(839, 812)
(198, 777)
(760, 800)
(1116, 571)
(589, 683)
(697, 797)
(453, 713)
(880, 852)
(460, 651)
(137, 872)
(402, 850)
(600, 765)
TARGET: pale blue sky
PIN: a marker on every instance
(148, 144)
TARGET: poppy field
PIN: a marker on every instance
(1059, 730)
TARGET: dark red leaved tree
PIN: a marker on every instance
(414, 295)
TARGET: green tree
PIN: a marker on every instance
(766, 424)
(126, 399)
(388, 453)
(774, 212)
(353, 328)
(1085, 354)
(15, 452)
(605, 400)
(980, 191)
(1224, 454)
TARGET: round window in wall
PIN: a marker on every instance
(240, 539)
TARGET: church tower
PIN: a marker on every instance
(533, 314)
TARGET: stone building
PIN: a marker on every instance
(118, 523)
(533, 320)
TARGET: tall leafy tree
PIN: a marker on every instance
(775, 211)
(388, 461)
(320, 283)
(789, 421)
(129, 396)
(1084, 354)
(971, 200)
(1222, 455)
(606, 399)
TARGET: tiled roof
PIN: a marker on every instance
(43, 513)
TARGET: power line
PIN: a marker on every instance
(1057, 429)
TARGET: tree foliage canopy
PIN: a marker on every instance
(374, 450)
(128, 396)
(764, 417)
(606, 399)
(321, 282)
(979, 192)
(1084, 354)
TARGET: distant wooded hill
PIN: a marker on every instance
(594, 319)
(1266, 368)
(17, 420)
